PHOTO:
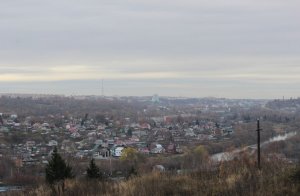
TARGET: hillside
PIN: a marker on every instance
(237, 177)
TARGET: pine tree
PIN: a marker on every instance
(93, 171)
(57, 169)
(132, 171)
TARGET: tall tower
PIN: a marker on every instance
(102, 88)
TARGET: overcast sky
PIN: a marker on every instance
(191, 48)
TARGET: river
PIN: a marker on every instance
(4, 188)
(226, 156)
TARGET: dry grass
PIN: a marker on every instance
(238, 177)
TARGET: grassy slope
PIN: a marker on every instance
(238, 177)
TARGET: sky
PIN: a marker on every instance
(187, 48)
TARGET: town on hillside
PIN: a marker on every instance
(101, 128)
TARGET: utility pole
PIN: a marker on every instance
(258, 144)
(110, 163)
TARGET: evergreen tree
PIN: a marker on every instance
(57, 169)
(93, 171)
(132, 172)
(129, 132)
(295, 177)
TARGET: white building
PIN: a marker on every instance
(158, 149)
(118, 151)
(52, 143)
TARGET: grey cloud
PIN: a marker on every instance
(193, 38)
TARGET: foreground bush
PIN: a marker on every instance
(237, 177)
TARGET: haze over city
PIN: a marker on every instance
(223, 48)
(149, 97)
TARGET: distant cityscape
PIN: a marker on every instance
(102, 127)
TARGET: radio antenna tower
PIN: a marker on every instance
(102, 88)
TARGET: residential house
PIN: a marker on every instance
(189, 133)
(117, 152)
(52, 143)
(171, 148)
(157, 149)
